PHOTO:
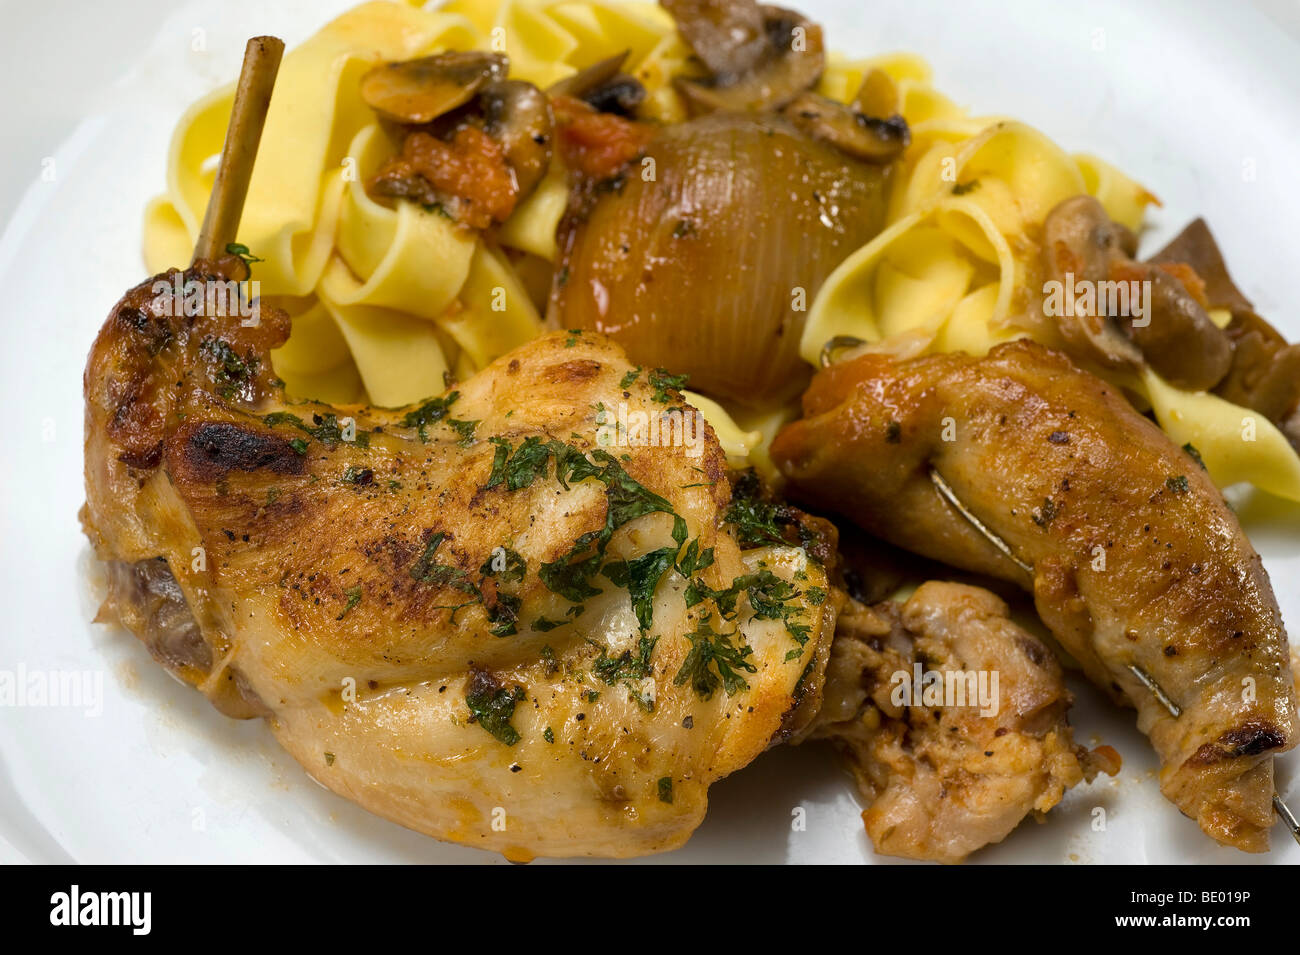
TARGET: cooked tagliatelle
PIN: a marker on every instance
(388, 301)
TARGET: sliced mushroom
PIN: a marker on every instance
(589, 78)
(790, 63)
(460, 113)
(729, 36)
(518, 116)
(1176, 337)
(415, 92)
(862, 137)
(1265, 373)
(603, 87)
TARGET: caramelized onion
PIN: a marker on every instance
(708, 270)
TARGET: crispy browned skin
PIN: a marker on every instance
(945, 777)
(289, 572)
(1136, 557)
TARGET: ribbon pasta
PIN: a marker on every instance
(386, 302)
(951, 269)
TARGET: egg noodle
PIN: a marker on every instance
(387, 301)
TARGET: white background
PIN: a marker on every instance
(1183, 95)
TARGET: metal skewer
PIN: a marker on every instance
(946, 492)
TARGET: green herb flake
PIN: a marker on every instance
(465, 429)
(354, 597)
(492, 706)
(358, 476)
(431, 412)
(427, 570)
(236, 248)
(663, 383)
(757, 522)
(714, 661)
(505, 565)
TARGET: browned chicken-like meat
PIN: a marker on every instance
(952, 761)
(1134, 558)
(487, 617)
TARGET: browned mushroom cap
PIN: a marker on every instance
(1265, 373)
(589, 78)
(415, 92)
(1079, 240)
(1176, 338)
(1179, 340)
(862, 137)
(518, 116)
(790, 63)
(603, 87)
(729, 36)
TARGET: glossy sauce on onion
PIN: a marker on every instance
(703, 258)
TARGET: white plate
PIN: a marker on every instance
(1199, 101)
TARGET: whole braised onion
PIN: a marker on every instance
(708, 269)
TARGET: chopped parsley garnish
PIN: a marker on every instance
(504, 615)
(465, 429)
(693, 560)
(324, 428)
(241, 250)
(492, 706)
(354, 597)
(758, 522)
(1195, 454)
(666, 789)
(548, 734)
(232, 371)
(630, 377)
(431, 412)
(626, 666)
(427, 570)
(641, 576)
(505, 565)
(714, 661)
(662, 383)
(570, 576)
(1177, 484)
(770, 598)
(359, 476)
(520, 469)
